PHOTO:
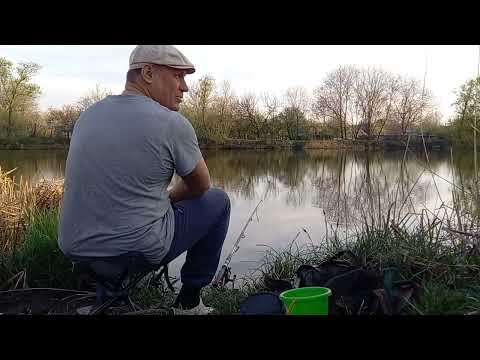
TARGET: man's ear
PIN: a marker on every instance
(147, 74)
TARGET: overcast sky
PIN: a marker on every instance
(69, 71)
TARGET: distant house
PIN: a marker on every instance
(362, 135)
(419, 133)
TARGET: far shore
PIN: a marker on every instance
(336, 144)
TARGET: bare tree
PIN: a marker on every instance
(61, 120)
(93, 96)
(335, 97)
(247, 111)
(393, 86)
(412, 101)
(34, 121)
(372, 96)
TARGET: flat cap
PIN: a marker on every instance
(166, 55)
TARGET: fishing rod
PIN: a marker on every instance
(223, 276)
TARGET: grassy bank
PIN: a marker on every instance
(449, 276)
(32, 143)
(45, 143)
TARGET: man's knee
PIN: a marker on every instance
(220, 197)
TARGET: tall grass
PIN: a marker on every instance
(40, 255)
(38, 262)
(29, 253)
(15, 199)
(440, 299)
(19, 202)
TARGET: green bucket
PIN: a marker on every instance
(306, 300)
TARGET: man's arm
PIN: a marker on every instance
(193, 184)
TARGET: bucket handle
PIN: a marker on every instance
(289, 308)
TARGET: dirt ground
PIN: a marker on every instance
(43, 301)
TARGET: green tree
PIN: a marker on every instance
(272, 106)
(293, 120)
(297, 98)
(224, 110)
(17, 92)
(467, 111)
(198, 106)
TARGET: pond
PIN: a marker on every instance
(306, 193)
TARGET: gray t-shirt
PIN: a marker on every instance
(123, 153)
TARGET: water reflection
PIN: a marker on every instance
(345, 185)
(34, 165)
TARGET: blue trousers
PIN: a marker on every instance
(201, 225)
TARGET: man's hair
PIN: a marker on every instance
(134, 75)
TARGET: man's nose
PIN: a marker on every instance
(183, 86)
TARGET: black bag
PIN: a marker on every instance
(308, 275)
(264, 303)
(356, 289)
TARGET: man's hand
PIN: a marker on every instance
(193, 184)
